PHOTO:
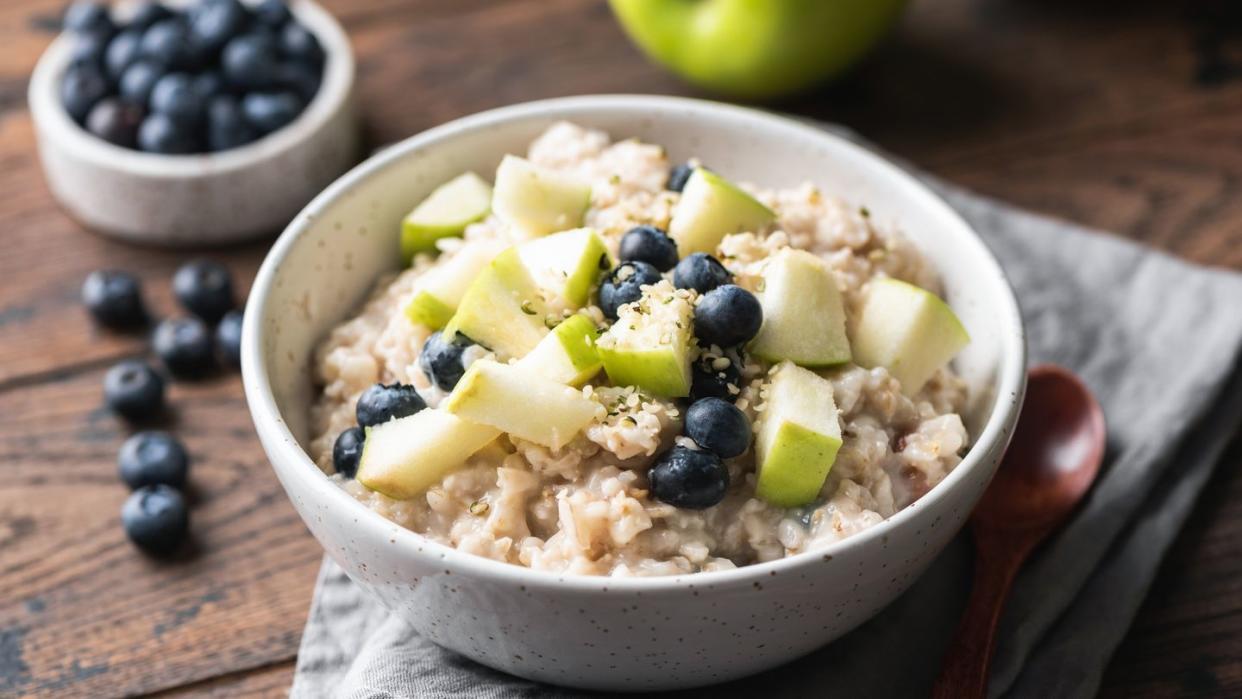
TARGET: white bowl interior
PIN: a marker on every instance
(350, 231)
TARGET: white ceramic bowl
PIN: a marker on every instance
(207, 199)
(603, 633)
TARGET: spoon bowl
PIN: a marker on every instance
(1053, 457)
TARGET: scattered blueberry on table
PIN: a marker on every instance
(153, 458)
(134, 390)
(701, 272)
(381, 403)
(114, 299)
(165, 68)
(228, 339)
(204, 288)
(156, 519)
(185, 346)
(624, 285)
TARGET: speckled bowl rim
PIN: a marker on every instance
(335, 90)
(267, 418)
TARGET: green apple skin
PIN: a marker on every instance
(650, 344)
(662, 371)
(798, 436)
(907, 330)
(439, 291)
(445, 213)
(803, 312)
(710, 208)
(567, 354)
(503, 309)
(402, 458)
(536, 201)
(515, 401)
(567, 264)
(756, 49)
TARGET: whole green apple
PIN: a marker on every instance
(756, 49)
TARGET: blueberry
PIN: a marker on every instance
(299, 77)
(215, 22)
(168, 41)
(89, 50)
(727, 316)
(82, 86)
(114, 299)
(160, 134)
(268, 111)
(249, 61)
(204, 288)
(124, 49)
(701, 272)
(347, 450)
(226, 125)
(379, 403)
(133, 390)
(228, 339)
(295, 41)
(156, 519)
(115, 121)
(712, 376)
(689, 478)
(184, 345)
(678, 177)
(718, 426)
(153, 458)
(208, 84)
(272, 13)
(175, 96)
(85, 17)
(146, 13)
(624, 285)
(440, 360)
(139, 79)
(651, 245)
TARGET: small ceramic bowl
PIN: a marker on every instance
(206, 199)
(596, 632)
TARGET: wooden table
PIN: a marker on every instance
(1114, 114)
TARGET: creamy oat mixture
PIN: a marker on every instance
(586, 508)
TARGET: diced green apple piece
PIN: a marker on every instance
(502, 309)
(711, 207)
(567, 264)
(439, 291)
(537, 201)
(402, 458)
(515, 401)
(649, 345)
(803, 314)
(567, 354)
(907, 330)
(446, 212)
(798, 436)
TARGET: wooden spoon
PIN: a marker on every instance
(1052, 460)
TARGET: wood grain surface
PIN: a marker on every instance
(1121, 115)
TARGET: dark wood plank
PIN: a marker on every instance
(1090, 111)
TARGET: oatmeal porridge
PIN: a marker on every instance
(605, 364)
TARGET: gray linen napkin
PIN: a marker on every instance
(1157, 339)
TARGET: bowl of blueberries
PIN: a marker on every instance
(197, 122)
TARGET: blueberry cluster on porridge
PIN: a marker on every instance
(604, 363)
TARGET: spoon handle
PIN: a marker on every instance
(965, 672)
